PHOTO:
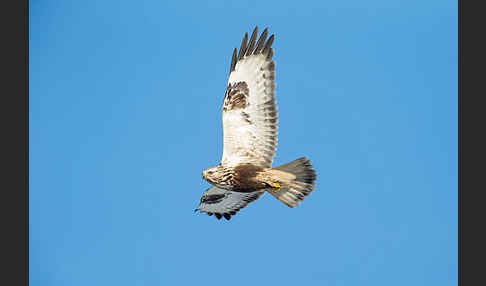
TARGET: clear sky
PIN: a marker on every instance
(125, 113)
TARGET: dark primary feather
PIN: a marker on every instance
(253, 38)
(233, 60)
(268, 45)
(243, 47)
(261, 41)
(248, 49)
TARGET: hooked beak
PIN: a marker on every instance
(204, 175)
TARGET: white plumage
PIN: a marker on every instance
(254, 140)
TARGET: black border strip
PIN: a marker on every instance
(27, 92)
(14, 140)
(459, 139)
(472, 144)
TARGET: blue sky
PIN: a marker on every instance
(125, 102)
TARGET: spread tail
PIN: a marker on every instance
(297, 181)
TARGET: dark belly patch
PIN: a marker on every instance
(244, 177)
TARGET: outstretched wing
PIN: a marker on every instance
(249, 109)
(224, 203)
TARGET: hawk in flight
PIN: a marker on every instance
(250, 138)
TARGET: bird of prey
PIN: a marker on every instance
(250, 120)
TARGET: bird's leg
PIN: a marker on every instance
(274, 185)
(269, 180)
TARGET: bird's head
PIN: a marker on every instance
(211, 174)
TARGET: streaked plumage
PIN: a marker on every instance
(250, 126)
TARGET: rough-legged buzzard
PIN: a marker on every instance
(250, 138)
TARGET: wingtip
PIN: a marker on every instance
(243, 47)
(234, 58)
(261, 41)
